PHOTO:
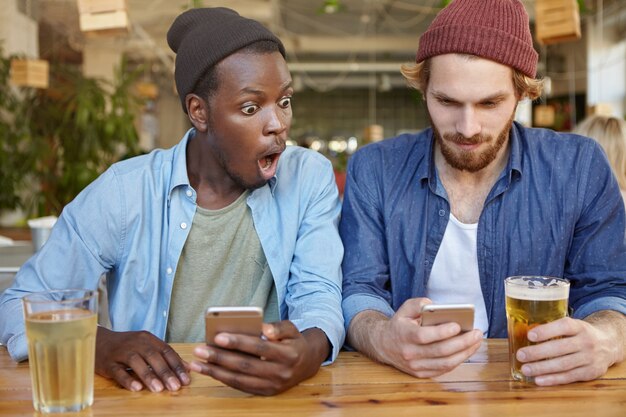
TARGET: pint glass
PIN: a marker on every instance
(61, 332)
(531, 301)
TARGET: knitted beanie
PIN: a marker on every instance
(494, 29)
(202, 37)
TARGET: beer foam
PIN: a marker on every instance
(554, 290)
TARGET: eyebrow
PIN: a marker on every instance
(498, 96)
(254, 91)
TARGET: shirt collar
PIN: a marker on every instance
(179, 165)
(427, 170)
(515, 142)
(179, 162)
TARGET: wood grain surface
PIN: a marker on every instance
(352, 386)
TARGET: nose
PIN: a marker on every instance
(468, 124)
(277, 121)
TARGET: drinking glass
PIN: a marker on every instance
(61, 331)
(531, 301)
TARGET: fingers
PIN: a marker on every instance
(443, 355)
(425, 335)
(232, 360)
(547, 350)
(119, 373)
(556, 365)
(260, 366)
(454, 345)
(280, 330)
(586, 373)
(154, 363)
(139, 366)
(264, 375)
(243, 382)
(177, 365)
(250, 345)
(558, 328)
(580, 352)
(435, 366)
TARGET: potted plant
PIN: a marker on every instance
(55, 141)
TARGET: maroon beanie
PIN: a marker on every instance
(494, 29)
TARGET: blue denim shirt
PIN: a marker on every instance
(555, 210)
(132, 222)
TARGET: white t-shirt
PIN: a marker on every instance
(454, 278)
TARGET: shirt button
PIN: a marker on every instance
(425, 263)
(189, 193)
(164, 313)
(442, 213)
(169, 271)
(183, 225)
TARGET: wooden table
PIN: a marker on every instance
(353, 386)
(16, 233)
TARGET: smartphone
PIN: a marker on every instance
(240, 320)
(434, 314)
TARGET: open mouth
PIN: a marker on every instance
(268, 164)
(267, 161)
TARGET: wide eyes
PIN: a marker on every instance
(285, 102)
(251, 109)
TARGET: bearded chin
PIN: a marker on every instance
(471, 161)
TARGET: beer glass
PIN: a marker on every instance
(61, 332)
(531, 301)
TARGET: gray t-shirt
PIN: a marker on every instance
(222, 264)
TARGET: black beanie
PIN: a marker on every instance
(203, 37)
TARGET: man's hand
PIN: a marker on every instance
(265, 367)
(154, 362)
(584, 350)
(402, 342)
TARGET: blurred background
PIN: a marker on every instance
(84, 83)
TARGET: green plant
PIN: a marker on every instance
(58, 140)
(12, 155)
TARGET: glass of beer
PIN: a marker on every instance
(531, 301)
(61, 331)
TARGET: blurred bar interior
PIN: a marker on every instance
(344, 56)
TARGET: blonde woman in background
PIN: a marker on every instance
(610, 132)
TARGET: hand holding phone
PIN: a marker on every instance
(463, 314)
(237, 320)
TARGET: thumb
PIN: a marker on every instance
(280, 330)
(412, 308)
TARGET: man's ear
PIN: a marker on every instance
(198, 111)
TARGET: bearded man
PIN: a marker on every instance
(447, 214)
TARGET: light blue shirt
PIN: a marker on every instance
(132, 222)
